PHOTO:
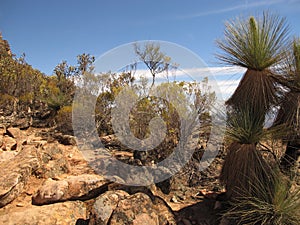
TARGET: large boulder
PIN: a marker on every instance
(141, 209)
(14, 173)
(105, 204)
(79, 187)
(136, 209)
(65, 213)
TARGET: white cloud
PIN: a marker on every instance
(227, 87)
(234, 8)
(226, 78)
(195, 73)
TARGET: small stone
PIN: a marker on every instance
(20, 205)
(174, 199)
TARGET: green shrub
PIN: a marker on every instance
(7, 104)
(63, 120)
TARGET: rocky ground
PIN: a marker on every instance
(44, 179)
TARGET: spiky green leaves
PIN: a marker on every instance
(245, 126)
(255, 44)
(267, 204)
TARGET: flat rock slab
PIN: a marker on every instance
(15, 172)
(79, 187)
(65, 213)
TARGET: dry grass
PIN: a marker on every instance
(257, 89)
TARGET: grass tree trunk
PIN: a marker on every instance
(290, 157)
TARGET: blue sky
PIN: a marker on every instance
(52, 31)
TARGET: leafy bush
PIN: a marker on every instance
(6, 104)
(63, 120)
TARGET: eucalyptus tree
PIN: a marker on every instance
(155, 60)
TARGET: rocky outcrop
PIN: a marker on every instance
(39, 176)
(14, 173)
(65, 213)
(82, 187)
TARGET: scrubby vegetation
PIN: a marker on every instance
(260, 189)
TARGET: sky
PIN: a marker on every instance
(51, 31)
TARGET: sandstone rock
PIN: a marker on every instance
(22, 123)
(15, 173)
(164, 212)
(15, 132)
(9, 143)
(80, 187)
(2, 130)
(110, 140)
(18, 135)
(106, 203)
(65, 213)
(65, 139)
(1, 140)
(140, 209)
(53, 161)
(7, 155)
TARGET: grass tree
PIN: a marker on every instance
(244, 162)
(289, 111)
(257, 44)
